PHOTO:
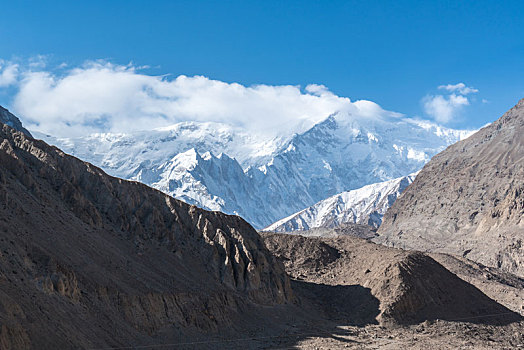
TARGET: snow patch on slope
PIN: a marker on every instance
(366, 205)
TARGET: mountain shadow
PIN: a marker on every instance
(351, 305)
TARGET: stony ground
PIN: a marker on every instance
(321, 267)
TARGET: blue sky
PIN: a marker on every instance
(395, 53)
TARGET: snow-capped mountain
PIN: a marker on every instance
(365, 205)
(126, 155)
(221, 167)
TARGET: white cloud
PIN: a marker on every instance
(8, 73)
(38, 61)
(102, 97)
(317, 89)
(461, 88)
(444, 108)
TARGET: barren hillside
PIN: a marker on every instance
(88, 260)
(468, 200)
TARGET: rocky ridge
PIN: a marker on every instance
(90, 260)
(11, 120)
(468, 200)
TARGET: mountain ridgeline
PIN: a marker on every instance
(364, 206)
(221, 167)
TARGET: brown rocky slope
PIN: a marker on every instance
(88, 260)
(468, 200)
(384, 285)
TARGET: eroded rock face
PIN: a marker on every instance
(108, 261)
(468, 200)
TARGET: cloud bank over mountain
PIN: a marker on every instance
(100, 96)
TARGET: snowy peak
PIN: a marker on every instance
(365, 205)
(345, 152)
(222, 167)
(125, 155)
(212, 182)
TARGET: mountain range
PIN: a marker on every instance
(264, 179)
(88, 260)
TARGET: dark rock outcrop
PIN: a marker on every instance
(406, 287)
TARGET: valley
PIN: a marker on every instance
(93, 261)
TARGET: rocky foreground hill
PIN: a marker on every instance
(468, 200)
(88, 260)
(385, 298)
(91, 261)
